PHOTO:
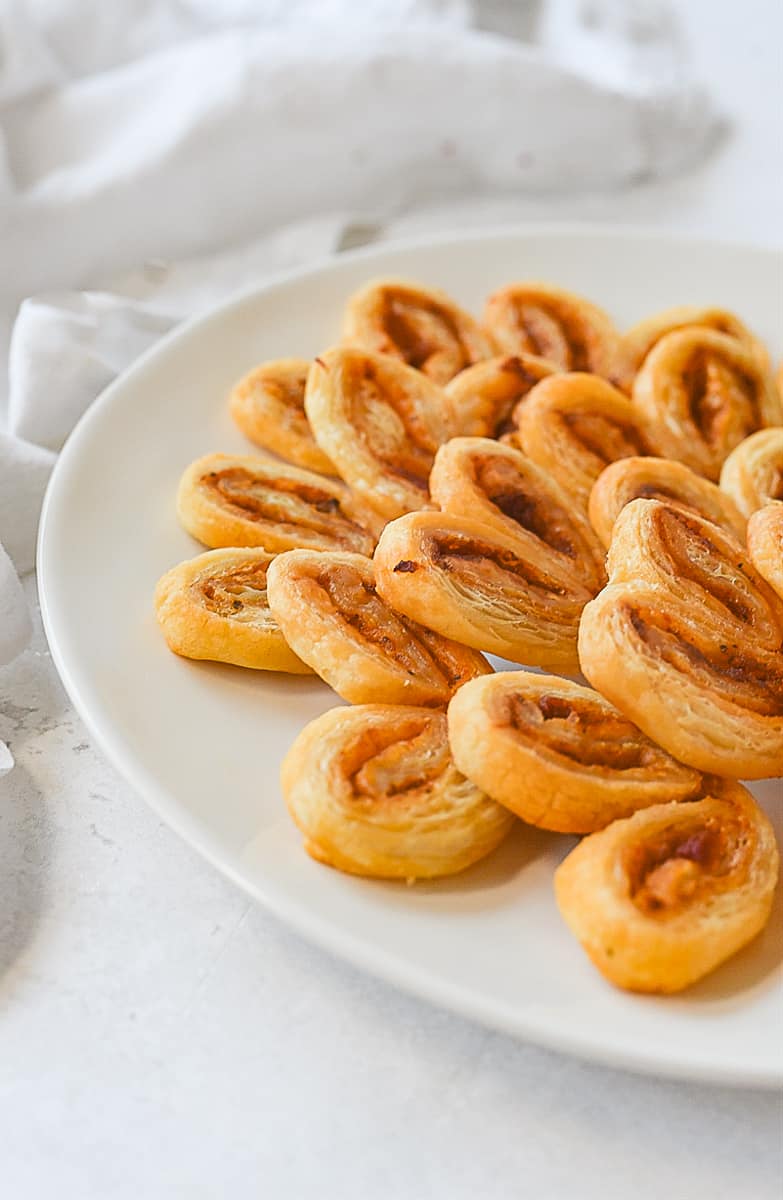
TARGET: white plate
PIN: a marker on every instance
(202, 743)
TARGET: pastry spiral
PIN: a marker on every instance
(753, 473)
(765, 544)
(215, 607)
(557, 754)
(495, 484)
(485, 395)
(268, 406)
(482, 588)
(566, 329)
(575, 425)
(637, 342)
(658, 479)
(686, 641)
(422, 327)
(664, 897)
(332, 616)
(375, 792)
(381, 422)
(239, 500)
(704, 392)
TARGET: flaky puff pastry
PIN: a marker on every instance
(268, 406)
(482, 588)
(497, 485)
(332, 616)
(703, 392)
(753, 473)
(765, 544)
(244, 500)
(375, 792)
(381, 422)
(687, 641)
(637, 342)
(566, 329)
(575, 425)
(559, 755)
(420, 326)
(664, 897)
(485, 395)
(215, 607)
(658, 479)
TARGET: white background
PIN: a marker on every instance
(162, 1037)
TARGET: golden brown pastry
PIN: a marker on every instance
(239, 500)
(765, 543)
(658, 479)
(566, 329)
(331, 615)
(686, 641)
(380, 422)
(637, 342)
(753, 473)
(495, 484)
(215, 607)
(481, 587)
(268, 406)
(375, 792)
(485, 395)
(703, 392)
(559, 755)
(661, 899)
(420, 326)
(575, 425)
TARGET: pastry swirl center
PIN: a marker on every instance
(668, 871)
(751, 679)
(582, 732)
(290, 501)
(721, 399)
(239, 592)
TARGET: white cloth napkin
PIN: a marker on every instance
(156, 155)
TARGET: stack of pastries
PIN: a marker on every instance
(539, 486)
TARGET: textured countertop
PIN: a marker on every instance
(162, 1037)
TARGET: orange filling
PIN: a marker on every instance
(585, 733)
(668, 871)
(722, 400)
(238, 592)
(509, 490)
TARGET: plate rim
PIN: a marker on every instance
(381, 963)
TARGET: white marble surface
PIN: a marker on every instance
(161, 1037)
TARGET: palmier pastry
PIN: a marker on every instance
(380, 422)
(753, 473)
(557, 754)
(422, 327)
(658, 479)
(662, 898)
(332, 616)
(686, 641)
(497, 485)
(485, 395)
(765, 543)
(704, 392)
(268, 406)
(239, 500)
(375, 792)
(215, 607)
(566, 329)
(481, 587)
(573, 426)
(637, 342)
